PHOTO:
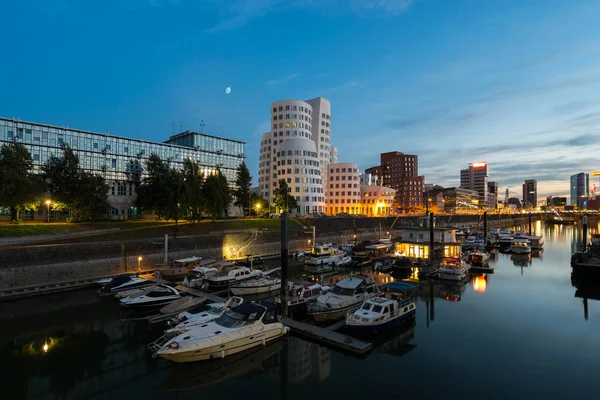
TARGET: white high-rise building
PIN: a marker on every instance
(295, 150)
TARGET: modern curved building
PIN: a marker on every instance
(307, 125)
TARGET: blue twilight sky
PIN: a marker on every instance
(515, 83)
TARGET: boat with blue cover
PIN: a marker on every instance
(380, 313)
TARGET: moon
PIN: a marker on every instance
(227, 90)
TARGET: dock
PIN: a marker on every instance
(328, 336)
(214, 297)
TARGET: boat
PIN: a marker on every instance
(520, 246)
(180, 268)
(346, 260)
(453, 269)
(202, 314)
(241, 328)
(382, 312)
(151, 296)
(124, 282)
(505, 239)
(536, 242)
(105, 281)
(345, 295)
(250, 261)
(299, 296)
(227, 276)
(256, 286)
(322, 258)
(478, 258)
(184, 303)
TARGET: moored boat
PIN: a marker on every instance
(180, 268)
(453, 269)
(256, 286)
(345, 295)
(520, 245)
(322, 258)
(228, 276)
(241, 328)
(151, 296)
(478, 258)
(300, 295)
(202, 314)
(124, 282)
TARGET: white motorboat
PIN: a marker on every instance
(343, 261)
(151, 296)
(300, 295)
(202, 314)
(382, 312)
(321, 258)
(180, 268)
(106, 281)
(124, 282)
(345, 295)
(241, 328)
(228, 276)
(453, 269)
(520, 245)
(256, 286)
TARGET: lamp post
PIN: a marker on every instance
(48, 213)
(139, 263)
(257, 207)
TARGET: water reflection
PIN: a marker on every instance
(587, 287)
(480, 283)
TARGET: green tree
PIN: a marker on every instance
(283, 199)
(241, 193)
(193, 199)
(217, 194)
(19, 187)
(152, 192)
(84, 193)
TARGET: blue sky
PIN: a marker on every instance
(515, 83)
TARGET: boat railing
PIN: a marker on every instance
(161, 341)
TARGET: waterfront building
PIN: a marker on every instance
(120, 160)
(530, 193)
(414, 243)
(580, 188)
(307, 126)
(401, 172)
(344, 192)
(376, 200)
(515, 203)
(556, 201)
(492, 202)
(475, 177)
(456, 199)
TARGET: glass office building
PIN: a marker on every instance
(122, 161)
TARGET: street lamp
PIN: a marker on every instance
(48, 213)
(257, 207)
(139, 263)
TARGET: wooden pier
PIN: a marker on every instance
(328, 336)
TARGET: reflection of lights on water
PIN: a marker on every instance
(480, 284)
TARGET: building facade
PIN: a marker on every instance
(376, 200)
(401, 172)
(492, 201)
(475, 177)
(556, 201)
(580, 188)
(120, 160)
(344, 191)
(456, 199)
(530, 193)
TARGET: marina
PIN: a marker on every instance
(466, 308)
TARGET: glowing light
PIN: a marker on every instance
(479, 164)
(597, 173)
(227, 90)
(480, 284)
(45, 348)
(48, 202)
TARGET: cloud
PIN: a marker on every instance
(347, 85)
(366, 8)
(277, 82)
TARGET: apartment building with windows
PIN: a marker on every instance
(344, 189)
(475, 177)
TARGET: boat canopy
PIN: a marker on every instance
(189, 259)
(351, 282)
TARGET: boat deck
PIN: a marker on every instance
(328, 336)
(214, 297)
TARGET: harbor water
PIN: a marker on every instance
(522, 332)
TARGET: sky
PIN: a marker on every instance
(511, 82)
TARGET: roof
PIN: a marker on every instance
(351, 282)
(401, 286)
(249, 309)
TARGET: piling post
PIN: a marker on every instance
(585, 234)
(530, 224)
(314, 234)
(284, 264)
(123, 257)
(431, 238)
(485, 230)
(165, 262)
(585, 308)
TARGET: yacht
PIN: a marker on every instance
(151, 296)
(520, 246)
(256, 286)
(453, 269)
(180, 268)
(478, 258)
(241, 328)
(345, 295)
(299, 296)
(321, 258)
(124, 282)
(505, 239)
(228, 276)
(536, 242)
(202, 314)
(250, 261)
(380, 313)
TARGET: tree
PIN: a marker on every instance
(217, 194)
(84, 193)
(152, 193)
(193, 200)
(241, 193)
(19, 187)
(283, 199)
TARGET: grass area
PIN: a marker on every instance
(132, 230)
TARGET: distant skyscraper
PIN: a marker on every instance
(580, 188)
(476, 178)
(530, 193)
(492, 195)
